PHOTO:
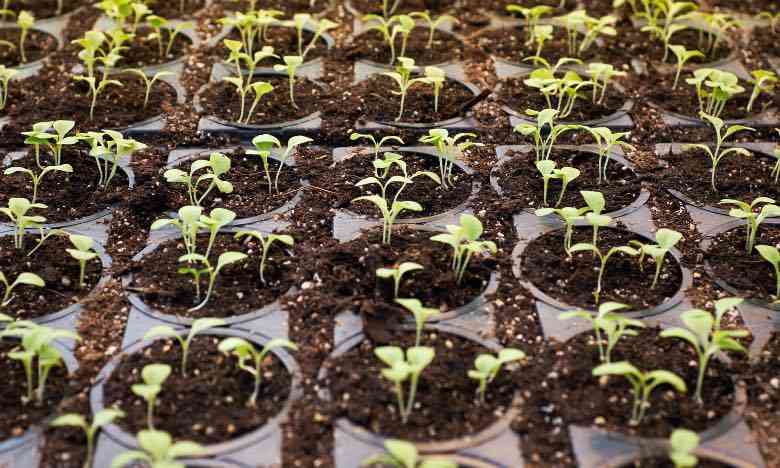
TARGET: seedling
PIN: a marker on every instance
(602, 74)
(746, 212)
(291, 64)
(17, 210)
(682, 445)
(720, 137)
(299, 22)
(421, 315)
(436, 77)
(449, 149)
(706, 338)
(403, 367)
(548, 171)
(216, 166)
(390, 159)
(375, 145)
(387, 28)
(642, 384)
(5, 83)
(665, 239)
(545, 132)
(772, 255)
(402, 454)
(606, 140)
(56, 141)
(723, 86)
(198, 326)
(578, 20)
(323, 25)
(397, 274)
(91, 54)
(158, 451)
(673, 12)
(25, 21)
(683, 55)
(224, 260)
(464, 240)
(433, 23)
(153, 376)
(389, 213)
(101, 418)
(246, 351)
(566, 88)
(37, 346)
(188, 223)
(389, 8)
(38, 178)
(531, 15)
(764, 81)
(596, 204)
(773, 18)
(149, 82)
(568, 215)
(82, 253)
(540, 34)
(614, 326)
(29, 279)
(403, 78)
(245, 85)
(107, 154)
(38, 136)
(487, 367)
(216, 220)
(265, 143)
(266, 241)
(603, 259)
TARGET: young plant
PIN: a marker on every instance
(5, 83)
(548, 171)
(683, 55)
(433, 23)
(596, 205)
(224, 260)
(16, 211)
(449, 149)
(245, 85)
(323, 25)
(158, 451)
(25, 21)
(540, 34)
(402, 367)
(149, 82)
(216, 220)
(198, 326)
(101, 418)
(82, 253)
(56, 141)
(436, 77)
(38, 178)
(753, 220)
(772, 18)
(216, 166)
(764, 81)
(606, 140)
(397, 274)
(723, 86)
(487, 367)
(29, 279)
(291, 64)
(601, 74)
(568, 215)
(402, 454)
(720, 137)
(109, 153)
(376, 146)
(703, 333)
(545, 132)
(403, 78)
(464, 240)
(642, 384)
(387, 28)
(665, 239)
(682, 445)
(772, 255)
(266, 241)
(246, 351)
(615, 326)
(421, 315)
(153, 376)
(603, 259)
(531, 15)
(98, 85)
(187, 222)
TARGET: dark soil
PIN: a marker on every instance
(238, 289)
(666, 463)
(751, 275)
(289, 7)
(37, 45)
(607, 402)
(284, 41)
(764, 395)
(423, 190)
(371, 46)
(446, 406)
(42, 9)
(519, 97)
(15, 416)
(739, 177)
(171, 9)
(143, 50)
(573, 280)
(55, 266)
(380, 105)
(752, 7)
(69, 196)
(207, 406)
(250, 196)
(765, 42)
(404, 7)
(499, 6)
(222, 101)
(523, 186)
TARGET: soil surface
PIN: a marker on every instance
(425, 191)
(665, 463)
(209, 404)
(55, 266)
(446, 407)
(765, 41)
(752, 7)
(69, 196)
(289, 7)
(16, 417)
(284, 41)
(172, 9)
(144, 50)
(37, 45)
(42, 9)
(404, 7)
(764, 397)
(238, 289)
(250, 196)
(499, 6)
(572, 280)
(372, 46)
(523, 187)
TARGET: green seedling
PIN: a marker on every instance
(682, 445)
(402, 367)
(216, 220)
(29, 279)
(153, 376)
(389, 31)
(487, 367)
(566, 89)
(56, 141)
(540, 34)
(602, 74)
(615, 326)
(402, 454)
(38, 178)
(198, 326)
(665, 240)
(642, 384)
(224, 260)
(545, 131)
(216, 166)
(6, 74)
(753, 220)
(436, 77)
(389, 213)
(403, 78)
(108, 153)
(531, 15)
(683, 55)
(376, 146)
(764, 81)
(384, 165)
(772, 18)
(246, 351)
(464, 240)
(265, 143)
(606, 141)
(245, 85)
(37, 137)
(397, 274)
(433, 23)
(603, 259)
(158, 451)
(101, 418)
(16, 211)
(421, 315)
(772, 255)
(448, 149)
(547, 169)
(596, 205)
(82, 252)
(149, 82)
(187, 222)
(291, 64)
(25, 20)
(722, 87)
(266, 241)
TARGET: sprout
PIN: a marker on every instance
(568, 215)
(682, 445)
(642, 384)
(596, 204)
(29, 279)
(402, 454)
(421, 315)
(397, 274)
(82, 253)
(449, 149)
(403, 78)
(774, 19)
(606, 140)
(266, 242)
(90, 45)
(217, 165)
(601, 74)
(703, 333)
(772, 255)
(299, 22)
(764, 81)
(38, 178)
(101, 418)
(548, 171)
(224, 260)
(400, 369)
(545, 132)
(198, 326)
(390, 159)
(188, 223)
(37, 137)
(244, 86)
(5, 79)
(615, 326)
(436, 77)
(159, 451)
(216, 220)
(724, 85)
(92, 53)
(464, 240)
(433, 23)
(578, 20)
(111, 152)
(673, 12)
(746, 212)
(683, 55)
(265, 143)
(603, 259)
(390, 30)
(291, 64)
(245, 351)
(25, 21)
(566, 88)
(17, 210)
(37, 347)
(153, 375)
(149, 82)
(719, 153)
(665, 240)
(55, 142)
(487, 367)
(376, 145)
(531, 15)
(540, 34)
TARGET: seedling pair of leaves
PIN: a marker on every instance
(216, 166)
(402, 454)
(487, 367)
(90, 429)
(403, 367)
(448, 149)
(614, 325)
(465, 242)
(265, 143)
(17, 211)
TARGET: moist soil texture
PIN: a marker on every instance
(284, 41)
(37, 45)
(371, 46)
(144, 49)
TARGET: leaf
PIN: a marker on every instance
(510, 354)
(769, 253)
(228, 258)
(30, 279)
(420, 356)
(126, 458)
(155, 374)
(106, 416)
(390, 355)
(616, 368)
(72, 419)
(157, 443)
(205, 323)
(186, 449)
